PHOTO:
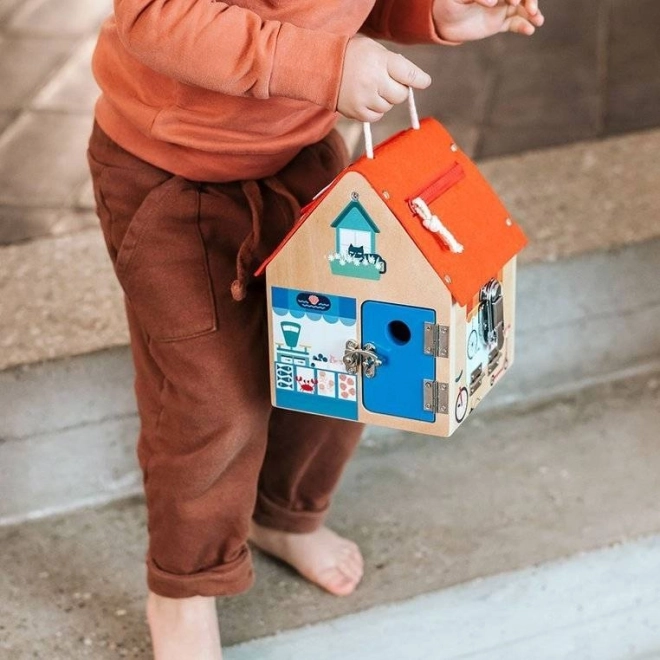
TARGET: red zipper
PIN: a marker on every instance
(441, 184)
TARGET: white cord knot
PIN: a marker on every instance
(431, 222)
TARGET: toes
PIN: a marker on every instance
(351, 566)
(351, 548)
(352, 573)
(337, 582)
(352, 553)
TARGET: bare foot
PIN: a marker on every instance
(323, 557)
(184, 628)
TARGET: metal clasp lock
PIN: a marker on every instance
(355, 357)
(491, 312)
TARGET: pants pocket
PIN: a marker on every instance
(162, 264)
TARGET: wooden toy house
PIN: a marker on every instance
(392, 300)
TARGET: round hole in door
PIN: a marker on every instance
(399, 332)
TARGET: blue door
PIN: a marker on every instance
(397, 332)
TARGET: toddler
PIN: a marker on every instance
(214, 127)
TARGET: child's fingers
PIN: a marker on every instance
(519, 25)
(370, 116)
(405, 72)
(393, 92)
(529, 9)
(530, 6)
(380, 105)
(536, 19)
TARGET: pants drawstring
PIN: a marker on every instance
(280, 189)
(244, 258)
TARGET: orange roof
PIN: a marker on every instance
(422, 163)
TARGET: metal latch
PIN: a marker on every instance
(356, 356)
(491, 313)
(436, 340)
(476, 378)
(436, 397)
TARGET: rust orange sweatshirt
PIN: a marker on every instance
(220, 91)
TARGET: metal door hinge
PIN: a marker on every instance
(436, 397)
(436, 340)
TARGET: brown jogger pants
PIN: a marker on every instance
(212, 450)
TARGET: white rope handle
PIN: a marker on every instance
(412, 109)
(368, 140)
(414, 122)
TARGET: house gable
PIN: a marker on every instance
(302, 260)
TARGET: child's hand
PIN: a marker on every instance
(467, 20)
(375, 79)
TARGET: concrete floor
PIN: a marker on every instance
(512, 489)
(594, 606)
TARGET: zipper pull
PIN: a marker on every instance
(434, 224)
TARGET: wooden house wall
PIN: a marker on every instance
(409, 280)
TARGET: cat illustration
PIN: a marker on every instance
(379, 262)
(357, 252)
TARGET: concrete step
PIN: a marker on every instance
(515, 488)
(594, 606)
(588, 311)
(58, 296)
(68, 427)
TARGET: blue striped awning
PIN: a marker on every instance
(333, 309)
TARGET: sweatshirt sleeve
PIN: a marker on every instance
(232, 50)
(403, 21)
